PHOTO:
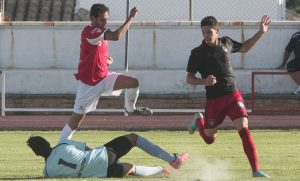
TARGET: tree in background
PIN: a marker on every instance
(293, 5)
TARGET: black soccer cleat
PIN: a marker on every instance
(144, 111)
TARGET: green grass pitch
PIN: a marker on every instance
(279, 154)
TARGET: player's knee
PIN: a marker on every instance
(210, 140)
(128, 169)
(135, 82)
(132, 137)
(73, 125)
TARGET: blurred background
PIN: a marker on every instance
(40, 45)
(167, 10)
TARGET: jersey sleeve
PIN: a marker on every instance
(191, 67)
(235, 46)
(290, 46)
(45, 173)
(94, 36)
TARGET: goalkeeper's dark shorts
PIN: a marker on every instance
(117, 148)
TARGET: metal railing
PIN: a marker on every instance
(5, 109)
(2, 5)
(253, 95)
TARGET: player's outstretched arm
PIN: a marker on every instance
(119, 33)
(248, 44)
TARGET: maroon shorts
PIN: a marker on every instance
(217, 109)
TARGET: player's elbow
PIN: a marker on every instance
(112, 36)
(116, 38)
(189, 79)
(244, 50)
(246, 46)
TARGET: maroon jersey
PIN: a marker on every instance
(215, 60)
(92, 67)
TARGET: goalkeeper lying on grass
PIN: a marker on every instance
(74, 159)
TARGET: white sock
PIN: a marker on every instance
(297, 90)
(66, 133)
(147, 171)
(131, 96)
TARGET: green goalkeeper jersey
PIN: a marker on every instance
(71, 159)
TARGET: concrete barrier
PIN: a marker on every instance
(158, 54)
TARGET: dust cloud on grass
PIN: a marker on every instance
(204, 169)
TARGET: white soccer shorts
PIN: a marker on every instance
(87, 96)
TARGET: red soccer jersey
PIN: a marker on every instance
(92, 67)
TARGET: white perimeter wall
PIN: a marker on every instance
(158, 54)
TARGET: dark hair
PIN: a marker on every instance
(98, 9)
(210, 21)
(39, 145)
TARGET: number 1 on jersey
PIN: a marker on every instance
(67, 164)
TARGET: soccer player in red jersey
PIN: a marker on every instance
(93, 76)
(212, 60)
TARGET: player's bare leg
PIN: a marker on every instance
(129, 169)
(76, 120)
(71, 126)
(296, 78)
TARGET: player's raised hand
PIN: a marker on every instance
(264, 23)
(133, 12)
(210, 80)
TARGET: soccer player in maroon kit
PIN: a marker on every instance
(294, 65)
(212, 60)
(94, 79)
